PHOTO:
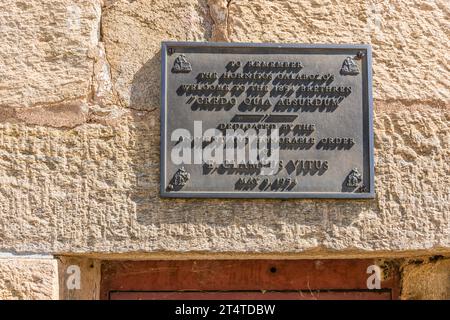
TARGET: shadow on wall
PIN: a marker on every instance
(273, 216)
(145, 88)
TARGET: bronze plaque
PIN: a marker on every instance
(266, 121)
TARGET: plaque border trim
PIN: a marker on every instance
(271, 194)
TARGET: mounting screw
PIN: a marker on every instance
(360, 55)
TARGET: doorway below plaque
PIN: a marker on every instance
(245, 279)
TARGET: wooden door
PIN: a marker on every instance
(243, 279)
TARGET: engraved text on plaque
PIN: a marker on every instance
(266, 120)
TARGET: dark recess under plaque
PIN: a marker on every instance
(318, 96)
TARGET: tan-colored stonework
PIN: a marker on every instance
(132, 33)
(28, 279)
(46, 50)
(409, 38)
(95, 188)
(79, 136)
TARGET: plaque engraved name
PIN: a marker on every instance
(266, 121)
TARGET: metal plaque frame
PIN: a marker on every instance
(325, 48)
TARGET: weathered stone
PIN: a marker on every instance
(428, 280)
(103, 89)
(22, 278)
(132, 33)
(62, 115)
(79, 140)
(219, 13)
(95, 188)
(46, 50)
(400, 32)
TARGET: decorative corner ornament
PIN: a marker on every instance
(179, 180)
(349, 67)
(362, 189)
(354, 178)
(181, 65)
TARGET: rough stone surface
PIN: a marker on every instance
(95, 188)
(409, 38)
(28, 279)
(219, 13)
(79, 140)
(426, 280)
(132, 33)
(46, 50)
(79, 129)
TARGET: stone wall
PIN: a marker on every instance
(28, 278)
(79, 130)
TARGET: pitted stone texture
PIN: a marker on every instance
(427, 280)
(402, 34)
(132, 33)
(45, 50)
(28, 279)
(94, 188)
(219, 13)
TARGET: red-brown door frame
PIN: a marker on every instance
(243, 279)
